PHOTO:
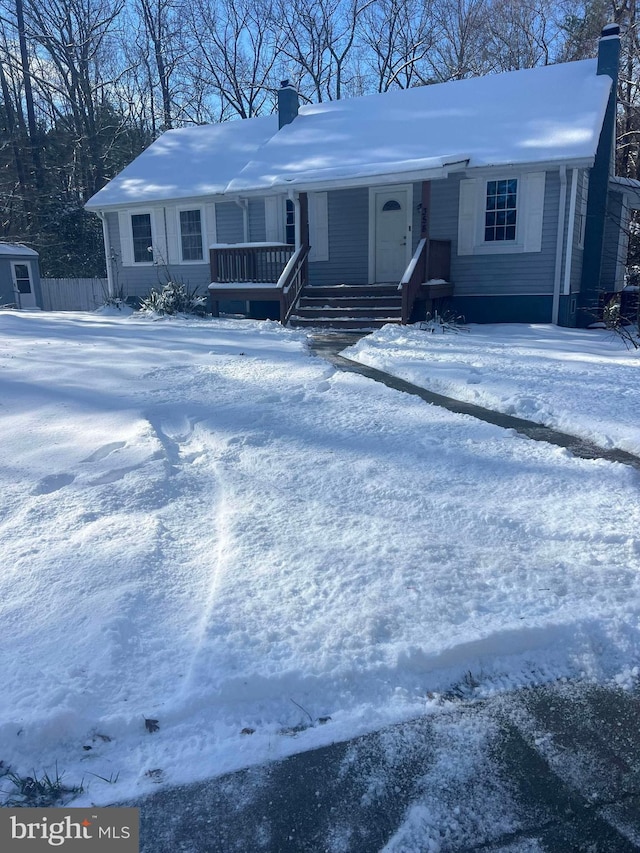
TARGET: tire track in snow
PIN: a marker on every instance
(184, 449)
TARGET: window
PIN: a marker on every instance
(22, 278)
(290, 223)
(501, 214)
(500, 210)
(142, 240)
(391, 205)
(191, 235)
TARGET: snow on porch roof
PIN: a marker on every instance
(188, 162)
(535, 115)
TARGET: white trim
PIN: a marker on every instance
(557, 273)
(126, 235)
(318, 207)
(294, 197)
(469, 190)
(373, 191)
(571, 227)
(533, 203)
(274, 219)
(530, 202)
(178, 234)
(107, 252)
(522, 168)
(345, 183)
(211, 228)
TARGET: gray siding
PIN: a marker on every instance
(611, 240)
(257, 228)
(229, 222)
(348, 263)
(136, 282)
(527, 273)
(7, 295)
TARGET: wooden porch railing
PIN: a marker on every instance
(414, 276)
(244, 263)
(431, 260)
(258, 273)
(291, 282)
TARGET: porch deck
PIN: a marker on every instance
(278, 274)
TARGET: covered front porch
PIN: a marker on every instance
(348, 246)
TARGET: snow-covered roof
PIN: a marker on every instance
(187, 162)
(16, 249)
(535, 115)
(631, 189)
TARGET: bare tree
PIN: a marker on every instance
(460, 48)
(398, 35)
(237, 48)
(161, 22)
(320, 38)
(523, 34)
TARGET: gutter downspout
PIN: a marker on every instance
(562, 209)
(570, 232)
(243, 204)
(293, 196)
(107, 254)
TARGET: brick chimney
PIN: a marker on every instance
(288, 103)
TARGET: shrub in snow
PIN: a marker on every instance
(174, 298)
(623, 323)
(117, 299)
(443, 322)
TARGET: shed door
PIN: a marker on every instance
(22, 285)
(392, 250)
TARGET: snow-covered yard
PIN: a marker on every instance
(204, 525)
(584, 382)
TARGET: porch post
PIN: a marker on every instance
(425, 223)
(304, 219)
(304, 232)
(213, 262)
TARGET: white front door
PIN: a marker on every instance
(392, 237)
(23, 285)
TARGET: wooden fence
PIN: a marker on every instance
(73, 294)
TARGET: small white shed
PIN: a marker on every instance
(19, 277)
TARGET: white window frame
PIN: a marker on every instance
(150, 214)
(530, 198)
(181, 209)
(126, 236)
